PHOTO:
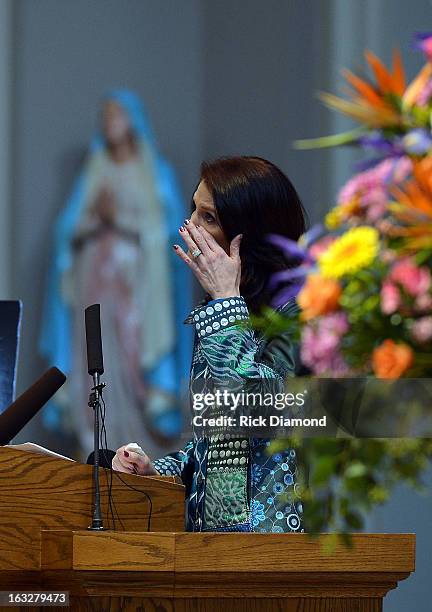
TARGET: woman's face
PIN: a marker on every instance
(115, 123)
(204, 214)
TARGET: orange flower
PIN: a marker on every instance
(414, 208)
(391, 360)
(319, 296)
(371, 103)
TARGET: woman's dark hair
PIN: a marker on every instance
(255, 198)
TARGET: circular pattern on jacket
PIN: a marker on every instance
(224, 321)
(293, 522)
(225, 303)
(288, 479)
(218, 306)
(216, 325)
(209, 310)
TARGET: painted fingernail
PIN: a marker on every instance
(126, 454)
(175, 247)
(182, 229)
(186, 221)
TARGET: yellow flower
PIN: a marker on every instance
(334, 218)
(355, 249)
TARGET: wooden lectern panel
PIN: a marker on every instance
(41, 492)
(206, 572)
(209, 572)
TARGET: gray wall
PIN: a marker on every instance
(67, 54)
(218, 77)
(264, 63)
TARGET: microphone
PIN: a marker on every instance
(94, 340)
(105, 458)
(24, 408)
(95, 369)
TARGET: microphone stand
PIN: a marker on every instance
(94, 402)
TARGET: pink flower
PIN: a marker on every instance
(390, 297)
(371, 187)
(320, 345)
(316, 249)
(423, 302)
(421, 330)
(414, 279)
(387, 255)
(425, 95)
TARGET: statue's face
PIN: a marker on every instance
(115, 123)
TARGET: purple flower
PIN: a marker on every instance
(423, 42)
(376, 141)
(418, 141)
(302, 264)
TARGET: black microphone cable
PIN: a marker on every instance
(117, 474)
(104, 448)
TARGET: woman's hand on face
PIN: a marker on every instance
(133, 463)
(217, 271)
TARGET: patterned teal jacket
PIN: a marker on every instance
(233, 483)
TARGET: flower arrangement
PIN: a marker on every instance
(364, 285)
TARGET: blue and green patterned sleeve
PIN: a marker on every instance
(175, 464)
(234, 351)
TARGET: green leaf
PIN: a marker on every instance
(355, 470)
(323, 470)
(354, 520)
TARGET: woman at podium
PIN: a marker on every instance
(232, 483)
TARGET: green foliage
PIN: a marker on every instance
(344, 479)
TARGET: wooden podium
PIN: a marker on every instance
(40, 492)
(45, 506)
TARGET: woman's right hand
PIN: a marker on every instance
(133, 463)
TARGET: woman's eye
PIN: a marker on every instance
(209, 218)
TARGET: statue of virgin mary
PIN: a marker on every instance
(112, 245)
